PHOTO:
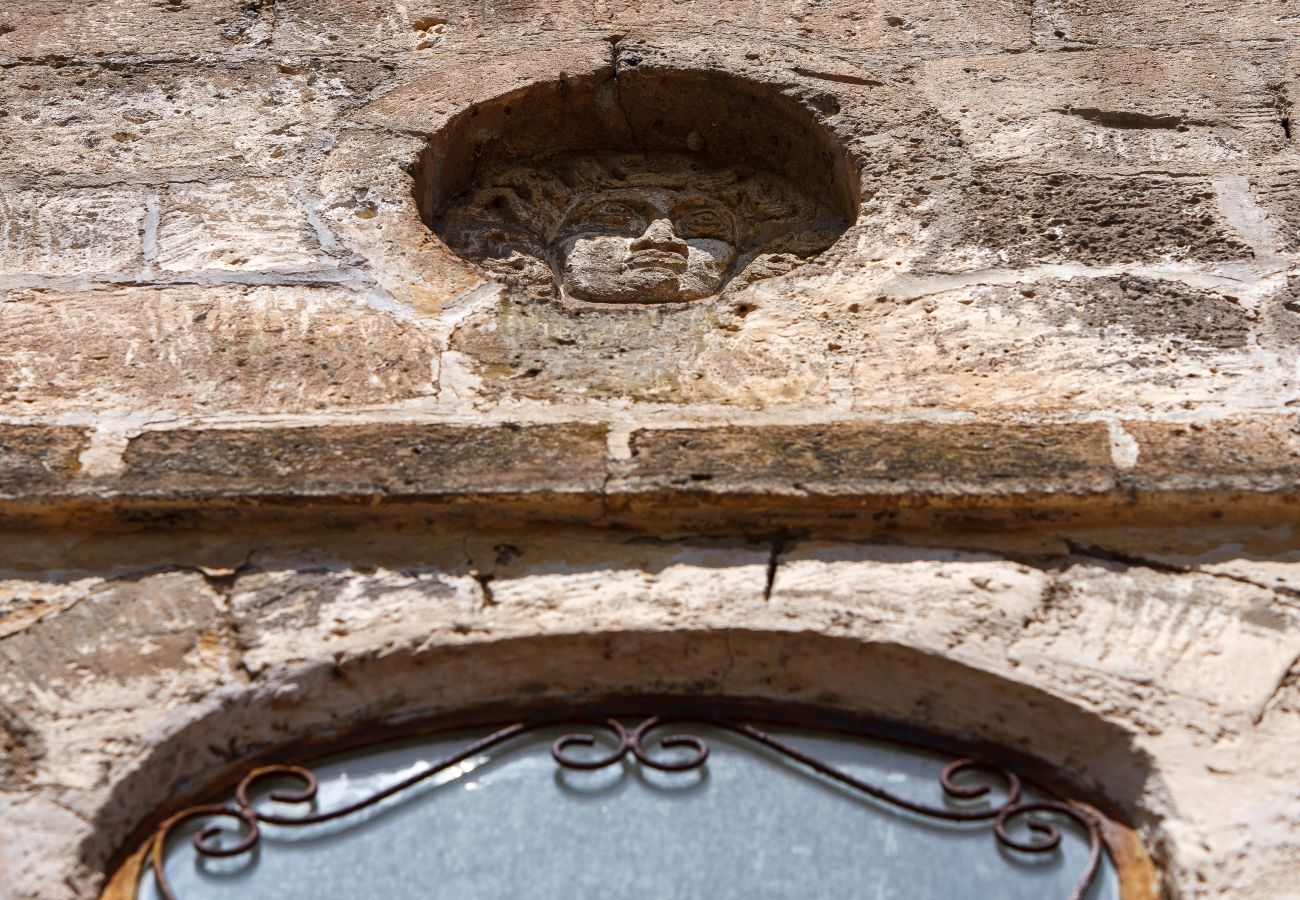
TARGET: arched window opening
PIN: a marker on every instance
(669, 805)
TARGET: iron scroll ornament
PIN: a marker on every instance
(643, 746)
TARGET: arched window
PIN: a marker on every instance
(590, 804)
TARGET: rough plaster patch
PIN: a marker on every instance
(620, 442)
(1239, 207)
(1124, 448)
(108, 441)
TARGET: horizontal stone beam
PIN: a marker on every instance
(770, 478)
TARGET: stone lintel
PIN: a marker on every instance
(767, 478)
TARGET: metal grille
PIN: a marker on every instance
(661, 743)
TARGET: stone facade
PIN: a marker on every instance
(1013, 460)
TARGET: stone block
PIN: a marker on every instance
(433, 87)
(1198, 636)
(1111, 342)
(1241, 452)
(670, 354)
(416, 30)
(937, 598)
(1278, 195)
(279, 613)
(1081, 24)
(34, 457)
(24, 602)
(884, 458)
(1002, 218)
(89, 232)
(254, 225)
(926, 26)
(1126, 110)
(125, 631)
(395, 459)
(1280, 315)
(25, 857)
(328, 25)
(171, 122)
(320, 26)
(200, 350)
(62, 29)
(623, 585)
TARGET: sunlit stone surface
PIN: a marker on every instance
(1009, 454)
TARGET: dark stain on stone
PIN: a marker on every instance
(21, 747)
(1086, 219)
(1151, 308)
(1266, 617)
(37, 456)
(1281, 315)
(1112, 118)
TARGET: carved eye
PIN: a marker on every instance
(705, 224)
(615, 216)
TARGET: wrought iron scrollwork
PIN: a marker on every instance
(646, 746)
(633, 743)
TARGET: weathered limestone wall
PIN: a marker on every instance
(209, 223)
(1163, 683)
(1013, 461)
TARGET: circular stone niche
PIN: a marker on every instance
(655, 186)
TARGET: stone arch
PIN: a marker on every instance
(321, 704)
(718, 116)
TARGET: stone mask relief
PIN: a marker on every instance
(634, 227)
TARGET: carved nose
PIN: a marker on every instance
(660, 236)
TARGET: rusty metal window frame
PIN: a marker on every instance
(662, 725)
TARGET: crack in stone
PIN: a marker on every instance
(66, 807)
(725, 675)
(773, 562)
(222, 582)
(837, 77)
(1123, 119)
(1094, 551)
(614, 63)
(1290, 678)
(484, 581)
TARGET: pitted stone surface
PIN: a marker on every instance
(1142, 676)
(1011, 459)
(177, 347)
(86, 232)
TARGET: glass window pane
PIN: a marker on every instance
(749, 823)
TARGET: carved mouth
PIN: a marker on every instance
(657, 259)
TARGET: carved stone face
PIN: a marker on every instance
(634, 228)
(645, 246)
